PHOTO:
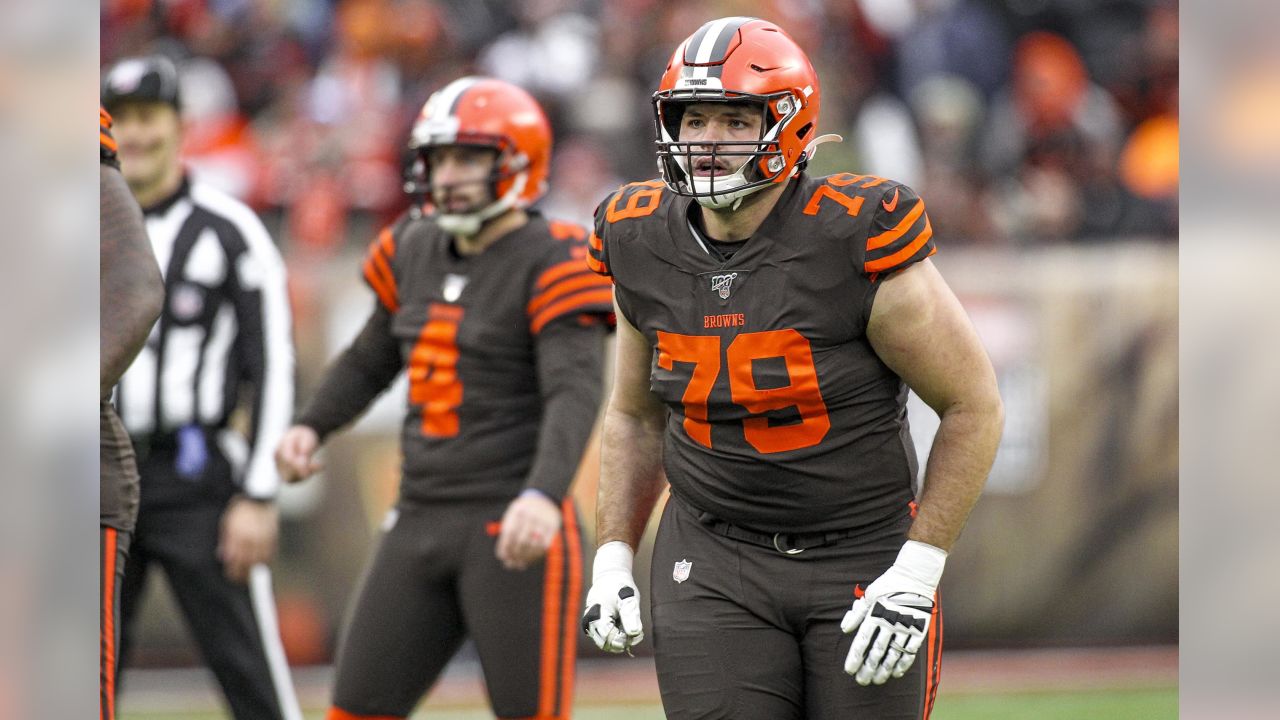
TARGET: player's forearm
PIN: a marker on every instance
(631, 476)
(959, 462)
(359, 375)
(131, 293)
(570, 370)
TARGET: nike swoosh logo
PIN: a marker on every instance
(890, 206)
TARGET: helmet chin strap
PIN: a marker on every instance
(733, 199)
(470, 224)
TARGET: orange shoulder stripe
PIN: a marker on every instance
(571, 285)
(387, 242)
(569, 304)
(559, 270)
(383, 268)
(379, 285)
(598, 266)
(893, 260)
(901, 229)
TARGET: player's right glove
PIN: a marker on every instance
(612, 619)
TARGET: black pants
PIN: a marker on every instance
(749, 633)
(234, 624)
(433, 582)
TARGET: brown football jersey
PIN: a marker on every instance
(467, 327)
(782, 418)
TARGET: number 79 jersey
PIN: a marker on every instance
(781, 417)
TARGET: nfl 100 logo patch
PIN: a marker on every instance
(681, 571)
(722, 285)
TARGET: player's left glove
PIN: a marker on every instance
(892, 615)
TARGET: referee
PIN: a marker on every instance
(206, 514)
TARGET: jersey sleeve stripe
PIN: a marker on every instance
(568, 286)
(383, 269)
(891, 261)
(595, 255)
(387, 242)
(104, 131)
(598, 266)
(589, 301)
(386, 293)
(901, 229)
(557, 271)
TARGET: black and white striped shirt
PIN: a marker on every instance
(225, 330)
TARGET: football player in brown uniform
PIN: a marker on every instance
(770, 324)
(131, 297)
(501, 326)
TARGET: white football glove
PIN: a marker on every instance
(612, 618)
(892, 616)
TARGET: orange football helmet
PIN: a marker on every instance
(731, 60)
(484, 112)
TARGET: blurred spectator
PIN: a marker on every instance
(551, 53)
(1052, 138)
(950, 112)
(584, 180)
(217, 143)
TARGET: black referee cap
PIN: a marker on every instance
(141, 79)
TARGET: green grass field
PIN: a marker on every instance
(1106, 705)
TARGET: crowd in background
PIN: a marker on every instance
(1019, 121)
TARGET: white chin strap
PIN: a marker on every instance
(728, 188)
(733, 197)
(469, 224)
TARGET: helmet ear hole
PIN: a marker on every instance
(804, 131)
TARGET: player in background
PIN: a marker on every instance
(769, 326)
(491, 309)
(130, 297)
(207, 514)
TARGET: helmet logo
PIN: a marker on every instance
(723, 284)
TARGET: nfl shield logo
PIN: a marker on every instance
(681, 571)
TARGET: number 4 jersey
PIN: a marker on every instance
(503, 350)
(782, 418)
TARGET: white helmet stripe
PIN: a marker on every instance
(438, 124)
(703, 53)
(444, 102)
(714, 43)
